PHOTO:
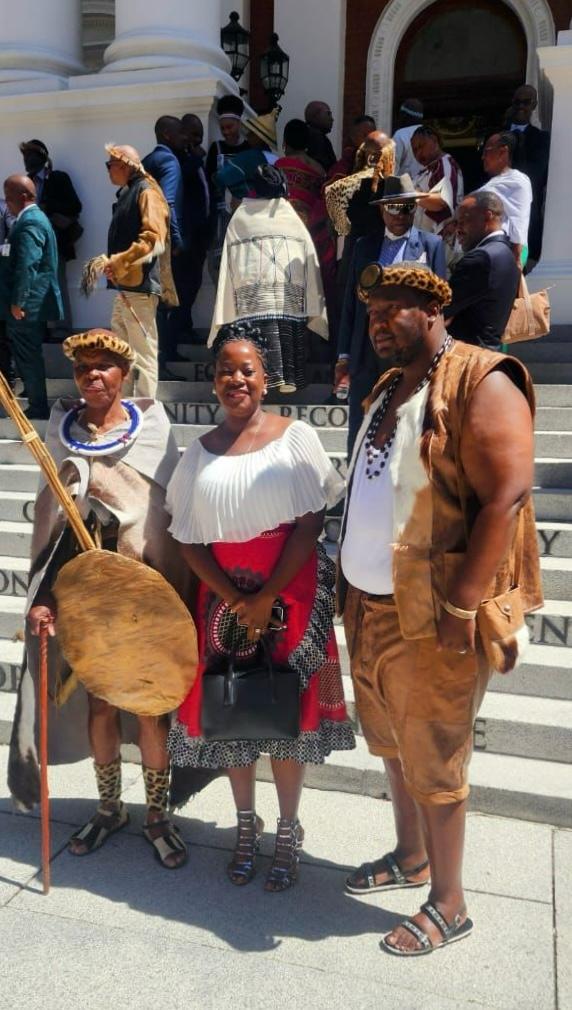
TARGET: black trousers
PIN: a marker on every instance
(26, 339)
(6, 366)
(174, 324)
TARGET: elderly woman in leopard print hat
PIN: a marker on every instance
(116, 456)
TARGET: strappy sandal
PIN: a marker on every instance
(242, 866)
(284, 870)
(95, 833)
(167, 843)
(458, 929)
(398, 876)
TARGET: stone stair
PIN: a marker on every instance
(522, 765)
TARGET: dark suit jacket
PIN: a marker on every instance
(353, 338)
(164, 166)
(484, 284)
(531, 157)
(62, 206)
(320, 148)
(30, 277)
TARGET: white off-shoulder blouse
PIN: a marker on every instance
(233, 499)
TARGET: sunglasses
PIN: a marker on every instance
(400, 208)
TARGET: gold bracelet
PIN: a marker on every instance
(465, 615)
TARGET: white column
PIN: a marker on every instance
(315, 42)
(41, 44)
(167, 33)
(555, 266)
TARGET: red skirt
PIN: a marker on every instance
(307, 643)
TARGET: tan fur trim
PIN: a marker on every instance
(98, 340)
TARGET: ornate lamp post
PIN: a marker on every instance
(235, 40)
(274, 68)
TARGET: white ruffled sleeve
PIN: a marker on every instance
(316, 484)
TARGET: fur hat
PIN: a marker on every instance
(230, 106)
(264, 127)
(98, 340)
(405, 274)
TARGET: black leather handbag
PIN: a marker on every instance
(258, 702)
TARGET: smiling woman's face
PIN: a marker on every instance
(239, 378)
(99, 376)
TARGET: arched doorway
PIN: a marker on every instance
(464, 58)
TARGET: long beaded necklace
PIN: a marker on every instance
(376, 458)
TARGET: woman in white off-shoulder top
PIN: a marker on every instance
(247, 503)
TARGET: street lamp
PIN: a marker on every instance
(274, 66)
(235, 40)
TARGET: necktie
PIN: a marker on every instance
(389, 250)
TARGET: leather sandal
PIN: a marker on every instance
(458, 929)
(242, 867)
(95, 833)
(398, 876)
(167, 843)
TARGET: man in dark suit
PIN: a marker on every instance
(318, 116)
(398, 240)
(485, 281)
(56, 196)
(164, 165)
(29, 290)
(531, 157)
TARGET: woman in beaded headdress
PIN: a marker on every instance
(248, 559)
(116, 456)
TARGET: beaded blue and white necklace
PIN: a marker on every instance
(97, 447)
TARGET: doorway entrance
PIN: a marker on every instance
(464, 58)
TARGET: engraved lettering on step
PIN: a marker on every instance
(318, 417)
(9, 675)
(4, 583)
(28, 511)
(19, 584)
(480, 734)
(550, 630)
(548, 540)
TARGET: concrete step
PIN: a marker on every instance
(553, 504)
(555, 444)
(17, 506)
(19, 477)
(554, 539)
(552, 472)
(11, 616)
(15, 539)
(201, 392)
(11, 654)
(557, 394)
(554, 419)
(556, 578)
(524, 788)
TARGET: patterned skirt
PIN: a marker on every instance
(287, 345)
(307, 644)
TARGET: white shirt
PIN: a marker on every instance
(367, 551)
(405, 160)
(514, 189)
(233, 499)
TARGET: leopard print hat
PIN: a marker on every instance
(98, 340)
(405, 274)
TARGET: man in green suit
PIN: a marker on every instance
(29, 290)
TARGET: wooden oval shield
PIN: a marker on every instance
(125, 632)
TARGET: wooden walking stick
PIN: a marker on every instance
(44, 787)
